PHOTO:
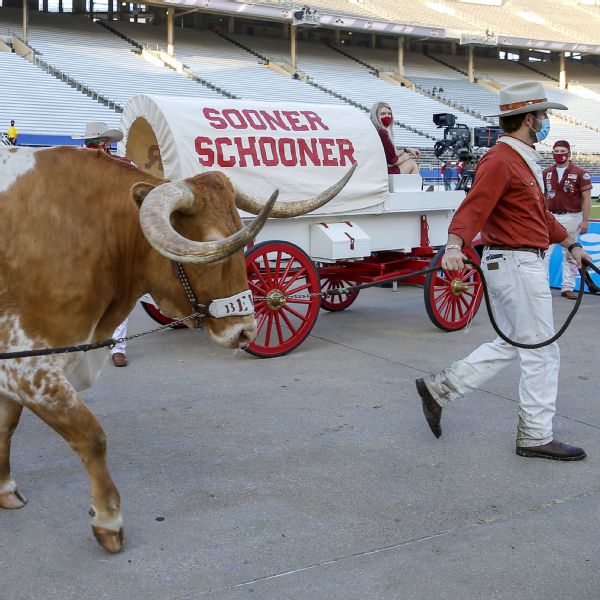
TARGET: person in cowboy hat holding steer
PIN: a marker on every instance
(569, 199)
(98, 136)
(506, 203)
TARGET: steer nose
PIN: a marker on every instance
(246, 335)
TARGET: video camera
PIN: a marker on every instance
(463, 145)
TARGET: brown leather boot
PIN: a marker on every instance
(431, 409)
(553, 450)
(569, 294)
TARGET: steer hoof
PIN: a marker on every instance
(112, 541)
(13, 500)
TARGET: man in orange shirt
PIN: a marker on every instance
(569, 199)
(506, 203)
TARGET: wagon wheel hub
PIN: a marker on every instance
(458, 287)
(275, 299)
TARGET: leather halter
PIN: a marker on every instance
(237, 305)
(200, 310)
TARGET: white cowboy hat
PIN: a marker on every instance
(99, 130)
(527, 96)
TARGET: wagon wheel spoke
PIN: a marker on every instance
(291, 327)
(464, 303)
(254, 267)
(269, 328)
(262, 320)
(287, 269)
(294, 312)
(256, 289)
(461, 306)
(297, 301)
(298, 289)
(443, 303)
(268, 274)
(468, 274)
(295, 276)
(278, 262)
(443, 300)
(277, 318)
(263, 308)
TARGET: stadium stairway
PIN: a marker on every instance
(537, 72)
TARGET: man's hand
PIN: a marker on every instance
(583, 226)
(578, 254)
(414, 152)
(453, 260)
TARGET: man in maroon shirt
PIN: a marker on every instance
(506, 203)
(569, 199)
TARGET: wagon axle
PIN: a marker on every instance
(275, 299)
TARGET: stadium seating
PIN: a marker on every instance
(110, 65)
(100, 59)
(352, 80)
(226, 65)
(238, 71)
(40, 103)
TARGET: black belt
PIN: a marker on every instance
(565, 212)
(539, 251)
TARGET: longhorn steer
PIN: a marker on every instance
(88, 235)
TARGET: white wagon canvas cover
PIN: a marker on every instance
(299, 148)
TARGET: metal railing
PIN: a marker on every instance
(74, 83)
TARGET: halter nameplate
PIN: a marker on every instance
(235, 306)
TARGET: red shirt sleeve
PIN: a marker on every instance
(585, 183)
(388, 147)
(556, 232)
(491, 181)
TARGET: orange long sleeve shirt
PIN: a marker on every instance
(506, 205)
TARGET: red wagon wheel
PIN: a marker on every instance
(452, 297)
(339, 300)
(155, 314)
(277, 269)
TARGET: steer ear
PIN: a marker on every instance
(140, 190)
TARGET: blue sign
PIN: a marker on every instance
(591, 244)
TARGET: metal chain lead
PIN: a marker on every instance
(348, 290)
(171, 325)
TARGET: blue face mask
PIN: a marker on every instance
(542, 134)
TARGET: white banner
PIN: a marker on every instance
(299, 148)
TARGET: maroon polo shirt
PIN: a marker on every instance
(506, 205)
(565, 195)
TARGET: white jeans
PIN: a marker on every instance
(522, 304)
(569, 221)
(120, 331)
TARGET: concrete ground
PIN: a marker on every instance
(314, 476)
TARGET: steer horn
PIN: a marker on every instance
(299, 207)
(155, 220)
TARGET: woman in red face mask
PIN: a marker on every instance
(399, 161)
